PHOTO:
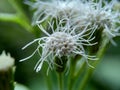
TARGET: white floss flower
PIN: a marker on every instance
(56, 9)
(6, 61)
(101, 14)
(62, 42)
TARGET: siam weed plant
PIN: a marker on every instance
(77, 33)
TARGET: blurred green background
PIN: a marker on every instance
(13, 37)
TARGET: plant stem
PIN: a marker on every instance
(49, 81)
(60, 78)
(22, 18)
(71, 73)
(6, 72)
(90, 70)
(15, 19)
(7, 80)
(18, 8)
(77, 74)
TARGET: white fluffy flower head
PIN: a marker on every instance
(56, 8)
(62, 42)
(101, 14)
(80, 13)
(6, 61)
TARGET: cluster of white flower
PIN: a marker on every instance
(102, 15)
(73, 28)
(80, 13)
(56, 9)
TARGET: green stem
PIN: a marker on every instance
(6, 72)
(48, 81)
(22, 18)
(85, 79)
(15, 19)
(71, 73)
(77, 74)
(7, 80)
(8, 17)
(90, 70)
(60, 78)
(16, 5)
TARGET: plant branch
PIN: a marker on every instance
(6, 17)
(90, 70)
(18, 9)
(22, 18)
(60, 78)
